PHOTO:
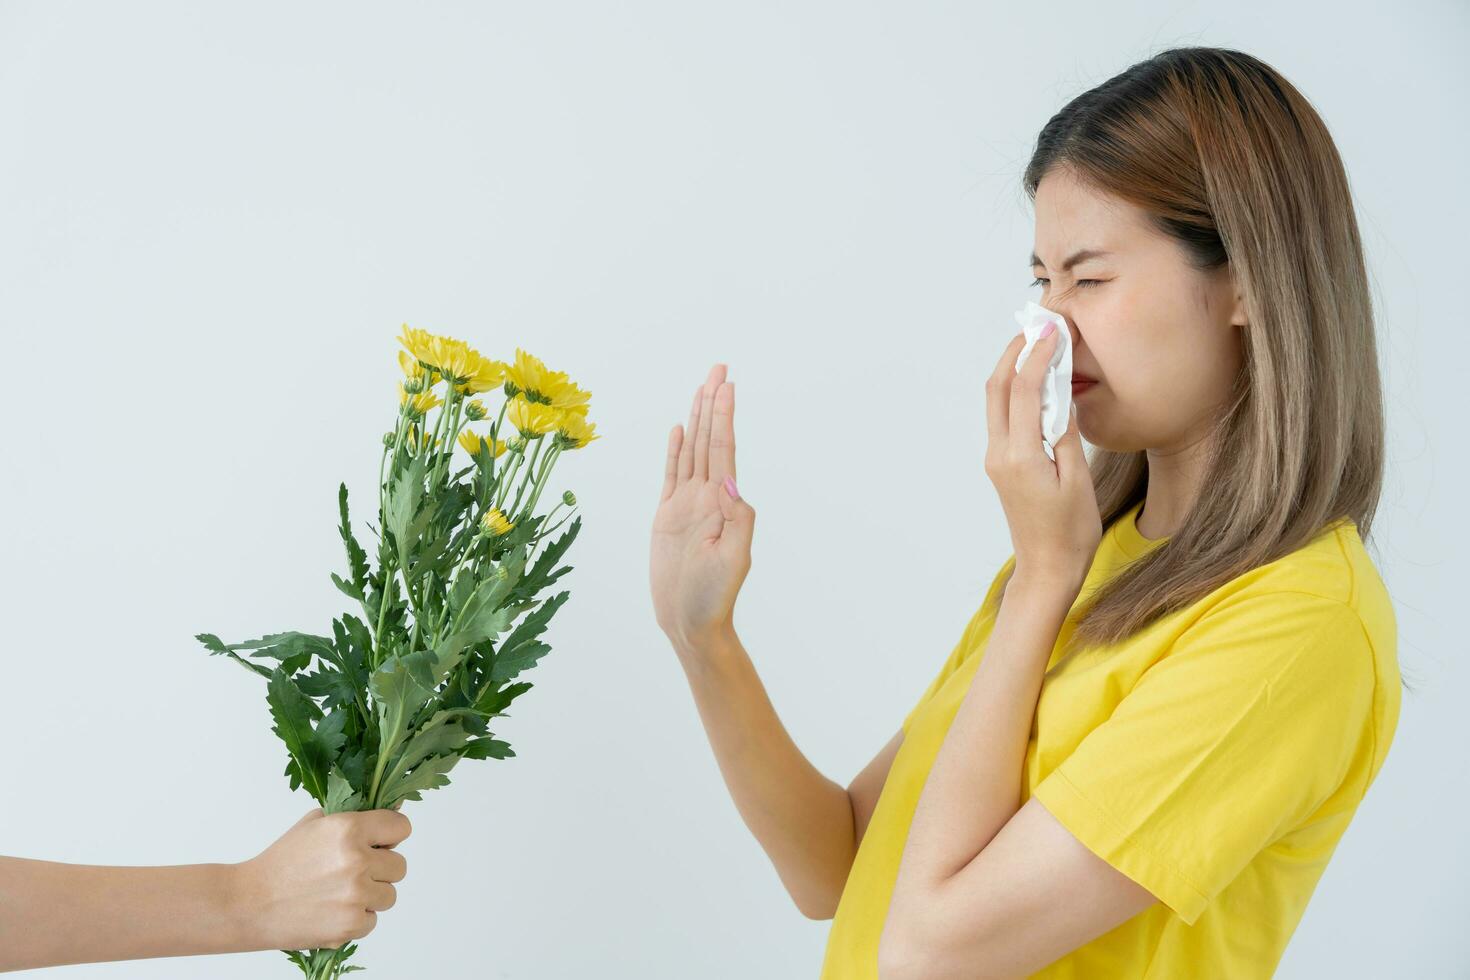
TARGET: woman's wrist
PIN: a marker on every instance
(698, 650)
(237, 895)
(1046, 598)
(1046, 584)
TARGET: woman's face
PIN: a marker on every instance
(1160, 336)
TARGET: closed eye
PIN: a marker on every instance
(1081, 282)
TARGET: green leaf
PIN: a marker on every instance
(430, 774)
(294, 650)
(481, 616)
(488, 748)
(520, 651)
(399, 697)
(509, 663)
(429, 667)
(402, 505)
(333, 730)
(348, 589)
(540, 575)
(311, 756)
(332, 686)
(352, 648)
(353, 762)
(214, 645)
(340, 796)
(461, 589)
(357, 561)
(442, 735)
(494, 702)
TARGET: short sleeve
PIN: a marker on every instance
(1242, 730)
(962, 648)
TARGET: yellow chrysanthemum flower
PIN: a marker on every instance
(413, 369)
(495, 522)
(419, 343)
(538, 384)
(466, 368)
(473, 443)
(482, 374)
(573, 431)
(532, 419)
(417, 406)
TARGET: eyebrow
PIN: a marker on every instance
(1079, 256)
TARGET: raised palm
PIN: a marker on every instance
(700, 550)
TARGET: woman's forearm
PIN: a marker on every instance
(802, 819)
(53, 914)
(974, 786)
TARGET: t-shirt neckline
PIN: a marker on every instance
(1127, 536)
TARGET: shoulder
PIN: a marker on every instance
(1329, 584)
(1313, 631)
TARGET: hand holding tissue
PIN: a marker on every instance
(1056, 387)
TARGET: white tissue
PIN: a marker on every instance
(1056, 387)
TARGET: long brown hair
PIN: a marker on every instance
(1231, 161)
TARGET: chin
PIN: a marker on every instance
(1096, 432)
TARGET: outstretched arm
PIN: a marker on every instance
(321, 884)
(808, 825)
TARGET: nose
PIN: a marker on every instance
(1071, 324)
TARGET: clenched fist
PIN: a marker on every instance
(325, 880)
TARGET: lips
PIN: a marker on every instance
(1081, 383)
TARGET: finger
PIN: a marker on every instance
(384, 828)
(381, 896)
(671, 469)
(385, 864)
(706, 420)
(1025, 414)
(365, 924)
(738, 523)
(686, 451)
(998, 392)
(722, 434)
(1071, 457)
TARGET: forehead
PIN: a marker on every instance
(1073, 214)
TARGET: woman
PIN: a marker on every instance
(321, 884)
(1142, 751)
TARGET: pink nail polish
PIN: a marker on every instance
(1048, 330)
(730, 487)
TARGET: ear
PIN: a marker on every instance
(1238, 316)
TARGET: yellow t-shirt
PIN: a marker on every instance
(1215, 758)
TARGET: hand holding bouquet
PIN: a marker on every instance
(382, 709)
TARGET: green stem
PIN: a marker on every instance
(541, 480)
(387, 564)
(508, 478)
(545, 532)
(530, 468)
(454, 405)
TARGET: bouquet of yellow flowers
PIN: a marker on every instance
(383, 708)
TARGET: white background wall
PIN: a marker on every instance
(213, 220)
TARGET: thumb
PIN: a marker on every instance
(739, 516)
(1069, 446)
